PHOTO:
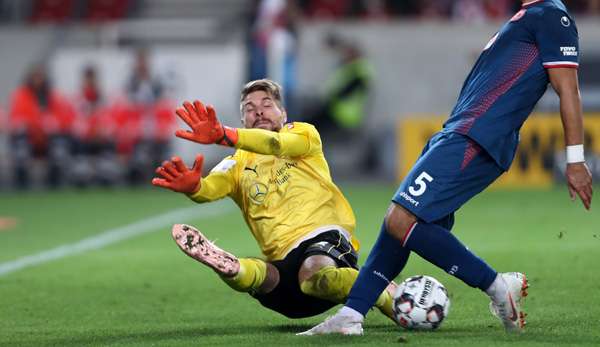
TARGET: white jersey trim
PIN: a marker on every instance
(318, 231)
(555, 63)
(531, 2)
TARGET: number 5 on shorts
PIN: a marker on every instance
(421, 184)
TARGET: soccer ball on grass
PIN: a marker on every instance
(421, 303)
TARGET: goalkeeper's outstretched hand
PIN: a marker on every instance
(205, 125)
(178, 177)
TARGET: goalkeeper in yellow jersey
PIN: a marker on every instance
(280, 180)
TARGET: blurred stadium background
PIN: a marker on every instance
(148, 56)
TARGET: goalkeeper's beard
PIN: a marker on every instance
(265, 124)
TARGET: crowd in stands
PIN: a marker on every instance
(95, 139)
(89, 138)
(61, 11)
(462, 10)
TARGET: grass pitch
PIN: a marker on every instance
(143, 291)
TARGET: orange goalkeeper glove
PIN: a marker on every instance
(206, 128)
(178, 177)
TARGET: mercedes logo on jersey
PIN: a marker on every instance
(565, 21)
(258, 192)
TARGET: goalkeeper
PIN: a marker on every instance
(280, 180)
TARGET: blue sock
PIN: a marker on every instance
(439, 247)
(386, 260)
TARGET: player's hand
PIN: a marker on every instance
(579, 182)
(178, 177)
(206, 128)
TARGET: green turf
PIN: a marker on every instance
(144, 292)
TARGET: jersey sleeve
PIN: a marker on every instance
(557, 39)
(294, 140)
(308, 132)
(220, 182)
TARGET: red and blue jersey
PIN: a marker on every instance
(510, 77)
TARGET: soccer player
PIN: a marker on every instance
(539, 45)
(281, 182)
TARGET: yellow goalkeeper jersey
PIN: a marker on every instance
(281, 182)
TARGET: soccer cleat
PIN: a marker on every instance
(336, 324)
(197, 246)
(509, 310)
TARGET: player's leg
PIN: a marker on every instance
(438, 245)
(255, 276)
(242, 274)
(383, 264)
(385, 261)
(22, 158)
(445, 185)
(320, 276)
(438, 184)
(59, 155)
(434, 242)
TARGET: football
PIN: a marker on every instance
(421, 303)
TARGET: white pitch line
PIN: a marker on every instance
(115, 235)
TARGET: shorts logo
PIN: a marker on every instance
(409, 198)
(258, 193)
(565, 21)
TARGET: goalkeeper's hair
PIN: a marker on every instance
(270, 87)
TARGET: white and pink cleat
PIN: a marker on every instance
(509, 310)
(197, 246)
(336, 324)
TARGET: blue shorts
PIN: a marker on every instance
(451, 170)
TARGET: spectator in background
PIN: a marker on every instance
(594, 7)
(41, 124)
(340, 10)
(148, 119)
(373, 9)
(327, 9)
(3, 121)
(341, 113)
(272, 45)
(465, 10)
(406, 8)
(435, 9)
(480, 11)
(589, 7)
(469, 11)
(498, 9)
(143, 88)
(95, 146)
(340, 110)
(3, 144)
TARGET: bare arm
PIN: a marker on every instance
(579, 178)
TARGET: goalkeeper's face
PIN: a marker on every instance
(260, 110)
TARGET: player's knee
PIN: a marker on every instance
(398, 221)
(313, 265)
(318, 285)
